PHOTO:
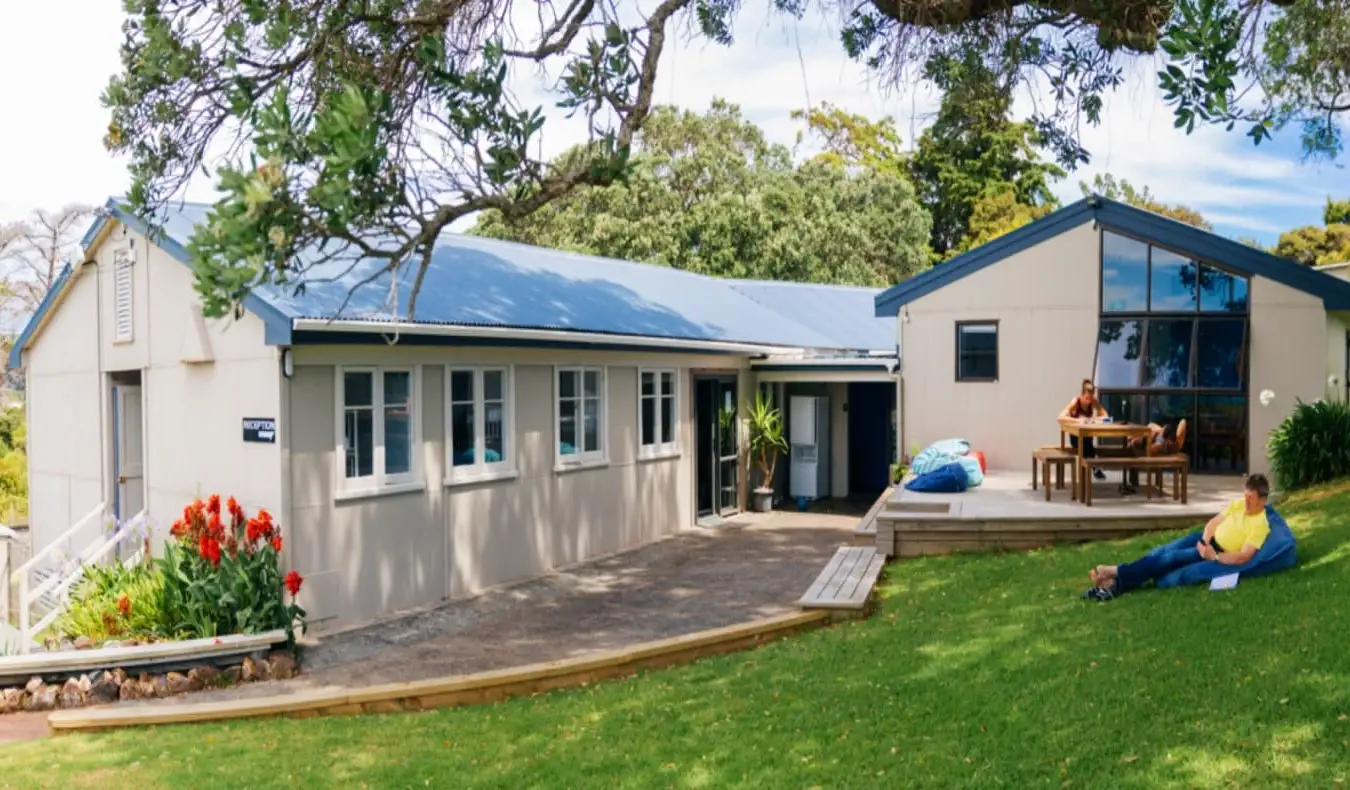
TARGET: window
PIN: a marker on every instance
(1173, 344)
(478, 423)
(977, 351)
(581, 410)
(656, 412)
(377, 424)
(123, 288)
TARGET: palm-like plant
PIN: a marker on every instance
(766, 438)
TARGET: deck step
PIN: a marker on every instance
(847, 581)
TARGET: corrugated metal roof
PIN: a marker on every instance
(485, 282)
(841, 312)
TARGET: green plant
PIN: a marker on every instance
(1312, 445)
(766, 437)
(226, 579)
(116, 602)
(898, 472)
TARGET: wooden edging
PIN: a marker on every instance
(451, 691)
(17, 669)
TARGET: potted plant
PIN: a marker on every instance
(766, 441)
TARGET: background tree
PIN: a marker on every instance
(1123, 191)
(995, 215)
(853, 141)
(1258, 65)
(39, 247)
(341, 123)
(708, 194)
(974, 151)
(1317, 246)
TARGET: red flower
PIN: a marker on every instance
(177, 529)
(276, 543)
(253, 531)
(124, 606)
(213, 505)
(214, 527)
(209, 548)
(236, 512)
(293, 581)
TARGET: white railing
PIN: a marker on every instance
(54, 590)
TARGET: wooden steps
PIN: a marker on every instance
(847, 581)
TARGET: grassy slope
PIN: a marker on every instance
(978, 671)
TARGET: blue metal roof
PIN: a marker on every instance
(841, 312)
(485, 282)
(1109, 214)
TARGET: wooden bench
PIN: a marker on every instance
(847, 580)
(1154, 465)
(1043, 458)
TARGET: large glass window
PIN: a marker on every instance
(1172, 345)
(378, 426)
(478, 424)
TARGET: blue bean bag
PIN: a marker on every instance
(1278, 553)
(948, 479)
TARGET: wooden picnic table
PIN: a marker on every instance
(1099, 430)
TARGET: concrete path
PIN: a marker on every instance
(699, 579)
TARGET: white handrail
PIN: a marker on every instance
(51, 548)
(59, 586)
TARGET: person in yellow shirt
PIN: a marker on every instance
(1231, 538)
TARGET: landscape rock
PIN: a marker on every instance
(159, 686)
(11, 701)
(70, 695)
(181, 684)
(104, 690)
(232, 675)
(120, 675)
(85, 684)
(43, 699)
(112, 643)
(66, 644)
(281, 666)
(253, 671)
(83, 643)
(34, 683)
(204, 675)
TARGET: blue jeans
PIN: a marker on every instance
(1156, 564)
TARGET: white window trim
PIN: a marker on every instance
(583, 460)
(481, 471)
(124, 266)
(378, 483)
(669, 447)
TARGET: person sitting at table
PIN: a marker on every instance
(1162, 437)
(1085, 408)
(1231, 538)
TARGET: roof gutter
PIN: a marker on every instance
(507, 335)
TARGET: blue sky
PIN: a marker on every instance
(63, 51)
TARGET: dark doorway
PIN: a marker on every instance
(871, 440)
(717, 483)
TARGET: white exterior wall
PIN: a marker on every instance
(191, 411)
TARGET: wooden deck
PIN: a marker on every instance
(1005, 513)
(865, 534)
(847, 580)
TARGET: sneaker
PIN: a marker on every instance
(1101, 594)
(1099, 474)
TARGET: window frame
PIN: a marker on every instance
(481, 470)
(124, 274)
(976, 379)
(378, 482)
(669, 446)
(582, 459)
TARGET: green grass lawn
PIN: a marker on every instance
(978, 671)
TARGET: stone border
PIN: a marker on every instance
(16, 670)
(491, 686)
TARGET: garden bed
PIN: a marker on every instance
(157, 656)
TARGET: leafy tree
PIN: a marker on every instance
(1108, 186)
(365, 128)
(708, 194)
(852, 140)
(1337, 212)
(973, 151)
(1316, 246)
(995, 215)
(1259, 64)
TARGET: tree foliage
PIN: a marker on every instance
(365, 127)
(1258, 65)
(973, 151)
(1316, 246)
(32, 252)
(995, 215)
(853, 141)
(1108, 186)
(709, 194)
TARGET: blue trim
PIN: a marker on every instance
(1333, 291)
(116, 453)
(16, 352)
(309, 337)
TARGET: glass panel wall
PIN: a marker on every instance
(1172, 345)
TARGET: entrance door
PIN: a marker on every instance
(871, 443)
(128, 452)
(717, 470)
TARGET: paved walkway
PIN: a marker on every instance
(22, 727)
(697, 580)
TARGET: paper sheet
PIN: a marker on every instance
(1225, 582)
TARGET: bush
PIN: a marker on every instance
(1312, 445)
(226, 579)
(116, 602)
